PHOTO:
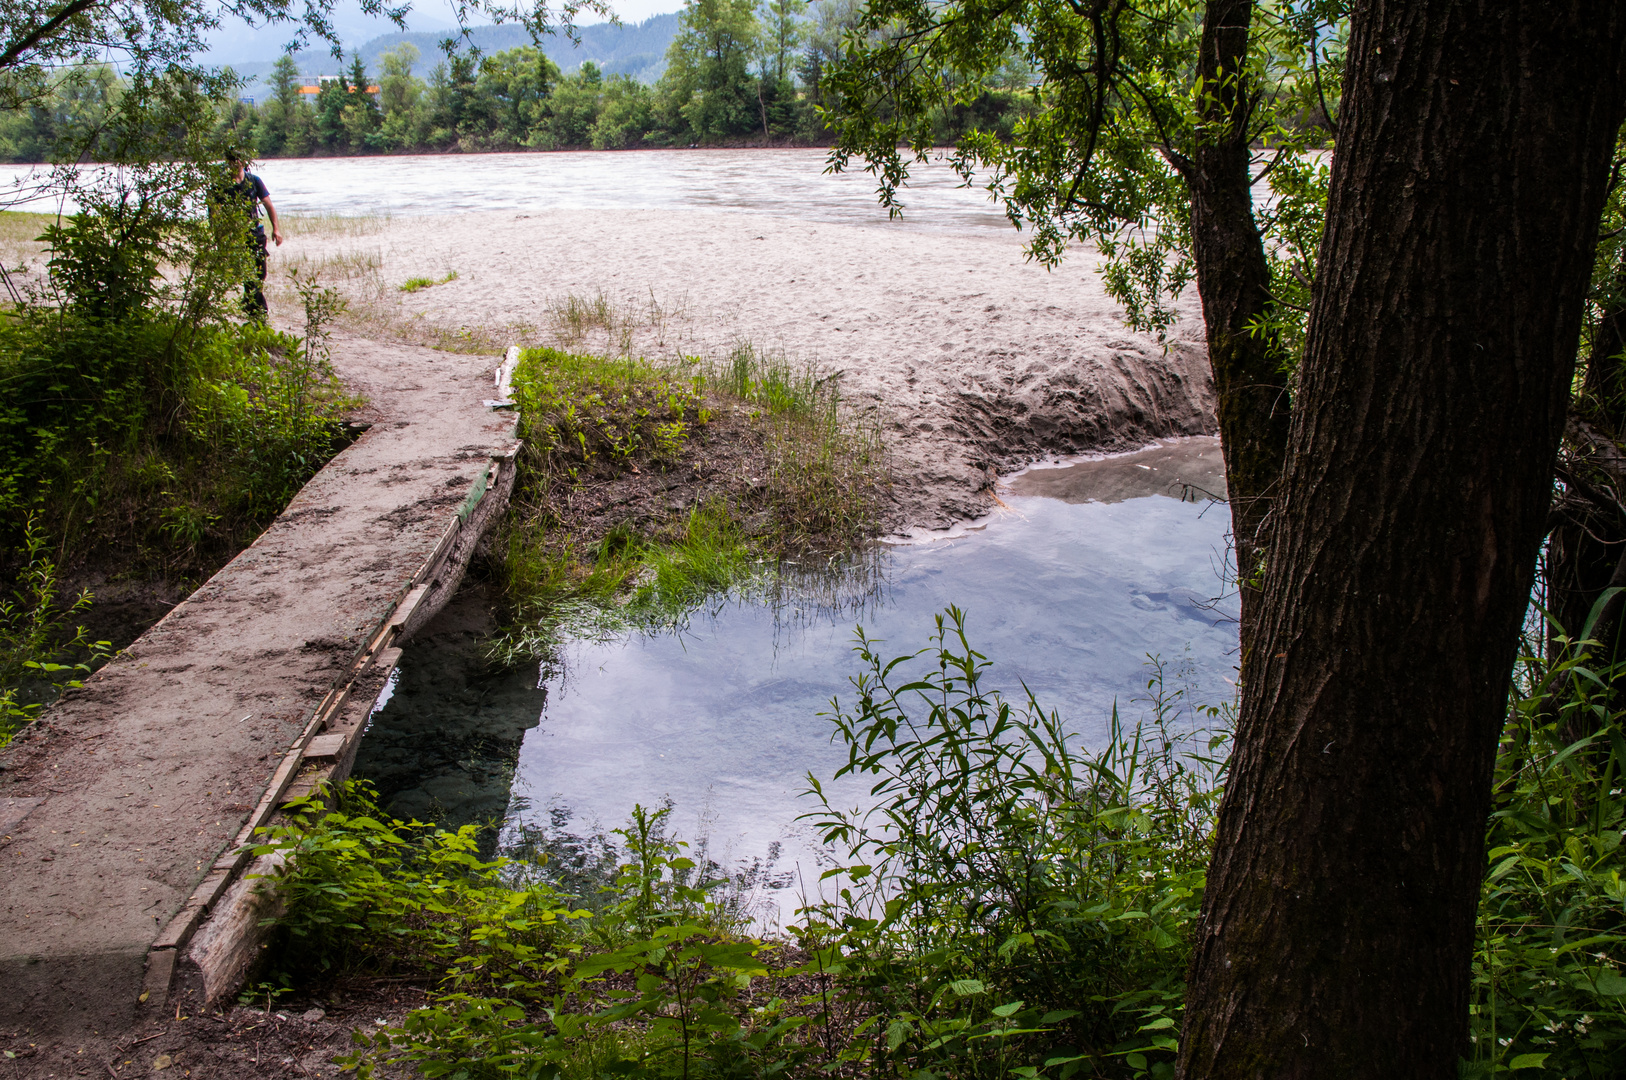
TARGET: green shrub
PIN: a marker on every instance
(1014, 904)
(650, 983)
(626, 583)
(153, 437)
(363, 893)
(1550, 962)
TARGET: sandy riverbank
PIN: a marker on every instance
(975, 359)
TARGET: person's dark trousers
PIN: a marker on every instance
(254, 304)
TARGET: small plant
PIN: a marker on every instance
(35, 639)
(254, 994)
(411, 285)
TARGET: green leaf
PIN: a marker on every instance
(1162, 1023)
(1529, 1061)
(1612, 984)
(967, 987)
(1007, 1009)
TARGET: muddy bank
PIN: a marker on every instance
(972, 359)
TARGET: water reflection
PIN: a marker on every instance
(723, 719)
(720, 717)
(446, 731)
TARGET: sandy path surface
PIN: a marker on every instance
(975, 359)
(114, 806)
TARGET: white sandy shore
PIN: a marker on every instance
(977, 360)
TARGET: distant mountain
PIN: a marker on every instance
(236, 43)
(636, 49)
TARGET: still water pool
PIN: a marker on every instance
(721, 717)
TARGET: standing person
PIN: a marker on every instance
(248, 191)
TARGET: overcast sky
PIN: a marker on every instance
(235, 42)
(629, 10)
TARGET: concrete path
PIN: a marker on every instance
(121, 811)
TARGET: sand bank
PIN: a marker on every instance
(975, 360)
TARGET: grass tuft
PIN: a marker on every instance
(411, 285)
(330, 225)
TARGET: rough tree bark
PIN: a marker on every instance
(1337, 929)
(1233, 281)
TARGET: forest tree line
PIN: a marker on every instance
(737, 72)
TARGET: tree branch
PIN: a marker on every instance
(17, 48)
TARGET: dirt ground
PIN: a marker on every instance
(297, 1036)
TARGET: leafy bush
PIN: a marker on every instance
(365, 893)
(147, 433)
(650, 983)
(136, 419)
(1550, 990)
(1017, 905)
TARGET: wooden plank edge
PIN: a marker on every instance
(223, 877)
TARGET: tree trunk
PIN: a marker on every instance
(1337, 929)
(1233, 280)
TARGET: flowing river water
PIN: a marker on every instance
(789, 183)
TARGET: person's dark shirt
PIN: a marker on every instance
(247, 193)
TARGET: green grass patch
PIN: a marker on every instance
(17, 226)
(624, 583)
(584, 413)
(823, 469)
(769, 380)
(411, 285)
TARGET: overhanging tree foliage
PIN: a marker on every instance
(1151, 125)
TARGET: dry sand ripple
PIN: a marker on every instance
(977, 360)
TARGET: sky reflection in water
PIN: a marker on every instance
(723, 717)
